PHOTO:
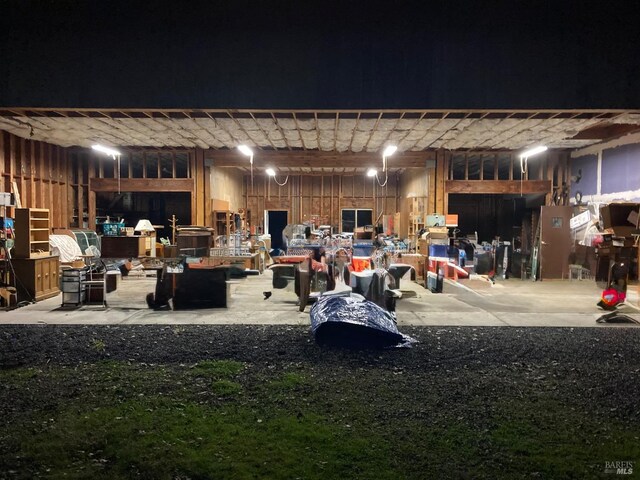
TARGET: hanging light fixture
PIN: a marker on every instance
(524, 161)
(113, 153)
(249, 153)
(372, 172)
(272, 173)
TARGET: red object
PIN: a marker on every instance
(612, 297)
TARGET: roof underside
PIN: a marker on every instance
(336, 131)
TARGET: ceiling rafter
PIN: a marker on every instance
(315, 116)
(284, 137)
(445, 132)
(474, 122)
(295, 121)
(392, 130)
(375, 126)
(517, 125)
(427, 131)
(263, 132)
(335, 132)
(353, 133)
(237, 122)
(541, 122)
(417, 122)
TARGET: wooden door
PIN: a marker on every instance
(555, 242)
(46, 273)
(53, 274)
(39, 276)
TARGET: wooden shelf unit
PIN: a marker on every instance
(32, 231)
(223, 222)
(417, 216)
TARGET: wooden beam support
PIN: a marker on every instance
(142, 184)
(498, 186)
(310, 159)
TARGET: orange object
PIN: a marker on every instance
(360, 264)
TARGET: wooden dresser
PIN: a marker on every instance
(37, 278)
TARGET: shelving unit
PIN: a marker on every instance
(417, 215)
(222, 222)
(32, 233)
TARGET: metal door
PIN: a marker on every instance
(555, 242)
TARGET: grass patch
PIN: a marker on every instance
(127, 420)
(218, 368)
(287, 381)
(225, 387)
(157, 439)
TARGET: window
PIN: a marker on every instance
(354, 218)
(151, 161)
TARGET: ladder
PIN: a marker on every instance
(535, 252)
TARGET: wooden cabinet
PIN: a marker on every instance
(37, 278)
(32, 233)
(124, 247)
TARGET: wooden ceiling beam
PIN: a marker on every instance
(295, 120)
(263, 132)
(284, 137)
(373, 130)
(315, 158)
(238, 124)
(353, 133)
(335, 132)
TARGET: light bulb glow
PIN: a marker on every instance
(109, 151)
(271, 172)
(533, 151)
(390, 150)
(245, 150)
(371, 172)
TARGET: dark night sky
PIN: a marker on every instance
(303, 54)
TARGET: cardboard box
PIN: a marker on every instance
(616, 217)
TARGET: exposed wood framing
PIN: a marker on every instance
(498, 186)
(316, 158)
(142, 185)
(39, 171)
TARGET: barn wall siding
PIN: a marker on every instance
(40, 172)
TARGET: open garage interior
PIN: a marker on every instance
(452, 196)
(319, 240)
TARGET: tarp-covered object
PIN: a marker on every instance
(355, 323)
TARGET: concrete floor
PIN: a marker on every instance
(511, 302)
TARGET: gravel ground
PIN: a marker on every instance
(452, 374)
(599, 367)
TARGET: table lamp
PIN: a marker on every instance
(144, 227)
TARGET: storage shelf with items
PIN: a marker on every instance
(32, 233)
(417, 212)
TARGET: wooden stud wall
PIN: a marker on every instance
(40, 171)
(321, 196)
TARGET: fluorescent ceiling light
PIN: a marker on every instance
(245, 150)
(533, 151)
(371, 172)
(390, 150)
(271, 172)
(109, 151)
